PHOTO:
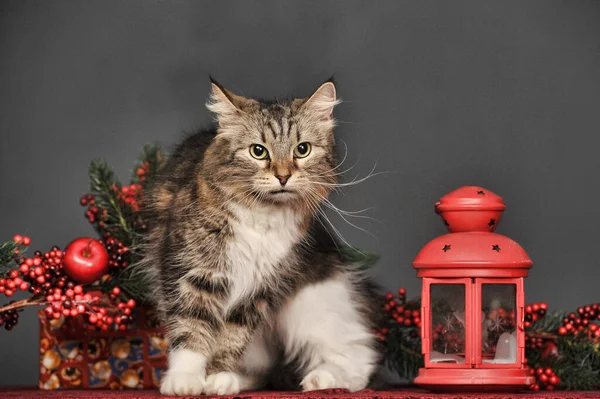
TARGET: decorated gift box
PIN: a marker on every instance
(72, 356)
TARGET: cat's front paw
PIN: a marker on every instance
(181, 384)
(223, 383)
(319, 379)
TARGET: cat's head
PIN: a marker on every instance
(277, 152)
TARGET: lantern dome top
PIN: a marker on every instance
(472, 250)
(470, 198)
(471, 214)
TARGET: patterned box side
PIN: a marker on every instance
(74, 357)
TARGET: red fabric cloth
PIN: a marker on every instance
(402, 393)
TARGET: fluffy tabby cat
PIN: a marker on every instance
(247, 279)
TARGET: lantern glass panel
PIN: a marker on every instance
(447, 323)
(498, 329)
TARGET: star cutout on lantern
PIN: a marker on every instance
(492, 223)
(496, 324)
(448, 322)
(496, 248)
(480, 192)
(447, 248)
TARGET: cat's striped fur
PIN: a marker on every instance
(246, 277)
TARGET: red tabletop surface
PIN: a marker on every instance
(397, 393)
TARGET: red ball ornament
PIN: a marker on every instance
(85, 260)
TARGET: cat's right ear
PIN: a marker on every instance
(224, 104)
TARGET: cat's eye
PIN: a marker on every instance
(258, 151)
(302, 150)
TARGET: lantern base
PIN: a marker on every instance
(474, 380)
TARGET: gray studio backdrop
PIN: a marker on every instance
(505, 95)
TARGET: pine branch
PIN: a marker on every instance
(403, 352)
(149, 163)
(7, 253)
(363, 260)
(10, 253)
(116, 217)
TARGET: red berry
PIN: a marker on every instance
(535, 307)
(549, 371)
(528, 309)
(93, 319)
(544, 306)
(18, 239)
(80, 308)
(24, 286)
(554, 380)
(8, 292)
(539, 371)
(402, 291)
(78, 289)
(26, 240)
(69, 293)
(562, 331)
(389, 296)
(56, 315)
(131, 303)
(122, 327)
(116, 291)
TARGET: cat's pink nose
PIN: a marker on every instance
(283, 179)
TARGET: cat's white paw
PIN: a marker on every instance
(223, 383)
(180, 384)
(319, 378)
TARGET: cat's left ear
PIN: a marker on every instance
(322, 102)
(226, 105)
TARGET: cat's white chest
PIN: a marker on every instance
(263, 237)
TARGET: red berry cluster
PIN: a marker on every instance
(545, 379)
(404, 313)
(104, 318)
(535, 312)
(93, 213)
(37, 274)
(582, 322)
(130, 195)
(143, 171)
(101, 314)
(43, 272)
(69, 302)
(118, 254)
(9, 318)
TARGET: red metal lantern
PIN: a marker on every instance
(472, 300)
